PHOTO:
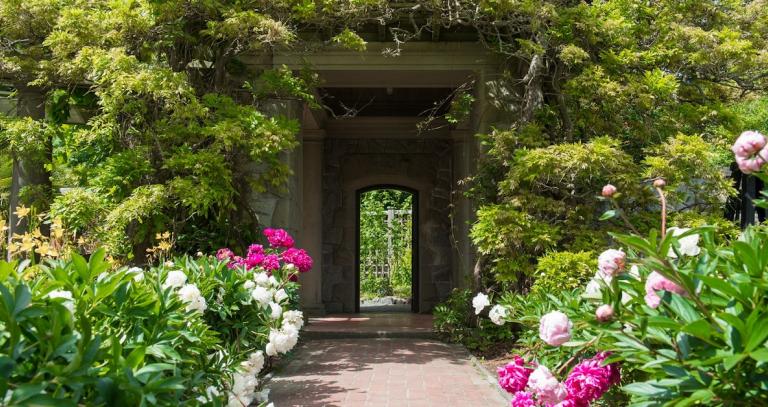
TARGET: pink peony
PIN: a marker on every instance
(278, 238)
(235, 262)
(522, 399)
(611, 262)
(608, 190)
(555, 328)
(604, 313)
(514, 376)
(546, 386)
(750, 151)
(655, 282)
(271, 262)
(225, 254)
(299, 258)
(590, 379)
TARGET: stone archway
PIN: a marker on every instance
(421, 165)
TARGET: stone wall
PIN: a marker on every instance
(424, 165)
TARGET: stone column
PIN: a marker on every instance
(281, 207)
(30, 103)
(311, 236)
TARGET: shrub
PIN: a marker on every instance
(558, 271)
(189, 331)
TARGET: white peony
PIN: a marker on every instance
(138, 273)
(273, 281)
(262, 295)
(480, 302)
(498, 314)
(189, 293)
(175, 279)
(199, 304)
(271, 350)
(280, 296)
(293, 318)
(689, 245)
(66, 295)
(249, 284)
(255, 362)
(169, 264)
(282, 340)
(275, 310)
(243, 387)
(262, 279)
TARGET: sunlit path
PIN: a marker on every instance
(383, 372)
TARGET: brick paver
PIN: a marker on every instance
(382, 372)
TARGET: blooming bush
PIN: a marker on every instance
(190, 331)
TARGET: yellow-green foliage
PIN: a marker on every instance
(559, 271)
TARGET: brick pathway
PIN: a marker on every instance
(382, 372)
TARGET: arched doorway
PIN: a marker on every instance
(387, 249)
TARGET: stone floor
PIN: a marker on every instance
(383, 372)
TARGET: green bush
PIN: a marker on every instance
(454, 321)
(557, 271)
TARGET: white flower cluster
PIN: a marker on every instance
(188, 293)
(244, 384)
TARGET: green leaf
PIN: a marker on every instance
(760, 355)
(81, 267)
(758, 334)
(23, 298)
(700, 329)
(645, 389)
(608, 215)
(733, 360)
(136, 357)
(154, 368)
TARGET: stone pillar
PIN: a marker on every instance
(281, 207)
(311, 236)
(464, 164)
(30, 103)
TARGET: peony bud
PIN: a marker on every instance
(604, 313)
(659, 183)
(609, 190)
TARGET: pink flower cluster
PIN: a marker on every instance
(281, 250)
(750, 151)
(590, 379)
(586, 383)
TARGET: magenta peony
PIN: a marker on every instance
(750, 151)
(590, 379)
(608, 190)
(271, 262)
(514, 376)
(255, 249)
(299, 258)
(555, 328)
(522, 399)
(611, 262)
(278, 238)
(656, 282)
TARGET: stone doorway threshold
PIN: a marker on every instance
(370, 325)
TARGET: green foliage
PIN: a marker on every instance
(558, 271)
(385, 241)
(709, 347)
(349, 39)
(124, 340)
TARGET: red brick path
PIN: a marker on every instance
(382, 372)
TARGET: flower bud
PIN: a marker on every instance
(604, 313)
(609, 190)
(659, 183)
